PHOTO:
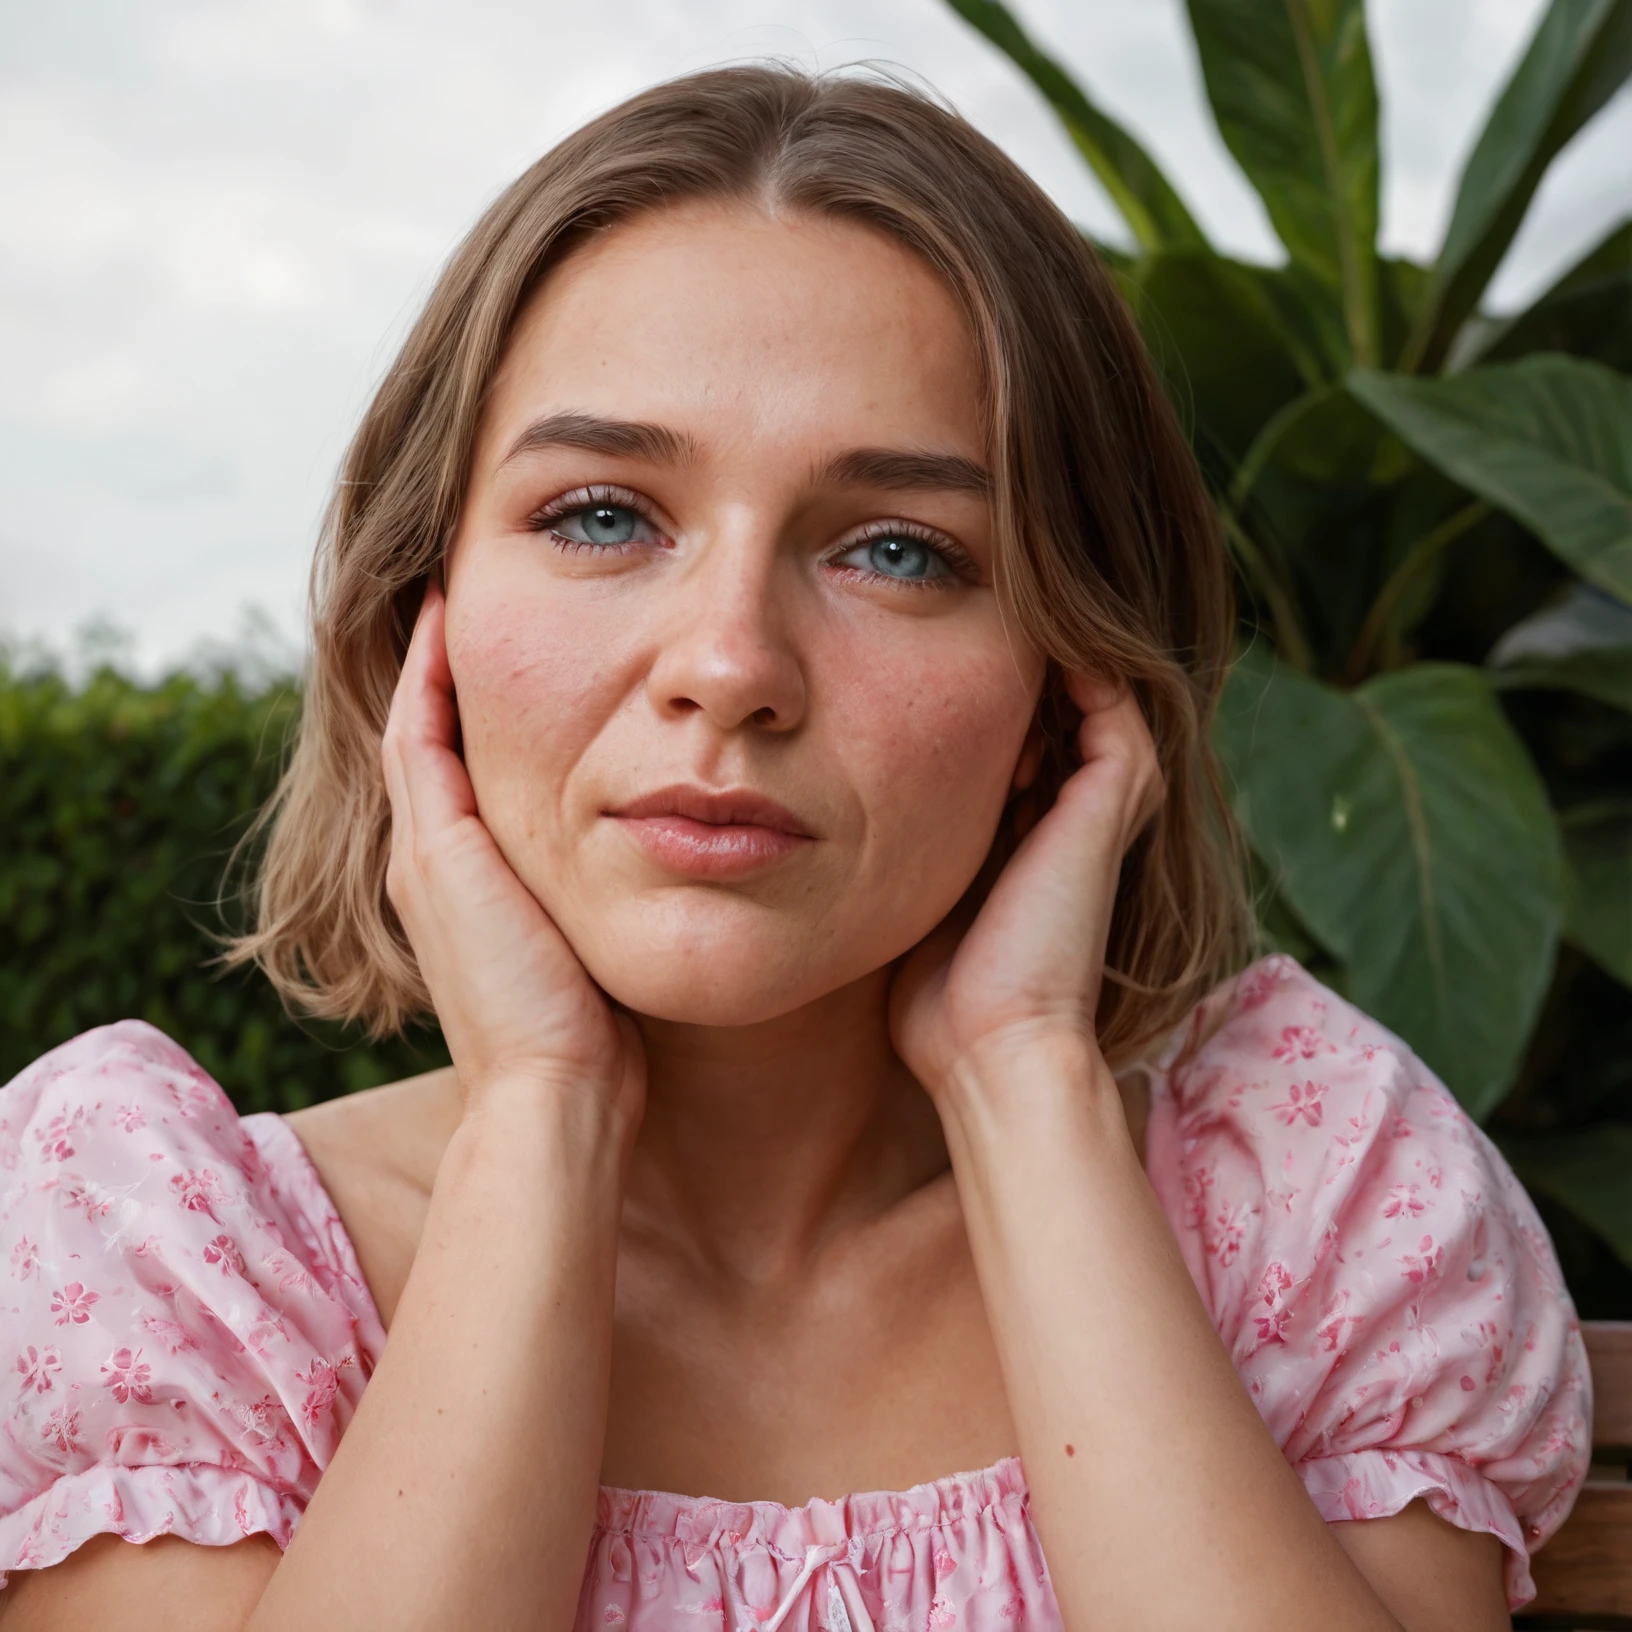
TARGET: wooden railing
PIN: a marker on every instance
(1584, 1574)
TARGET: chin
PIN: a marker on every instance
(719, 962)
(722, 989)
(702, 997)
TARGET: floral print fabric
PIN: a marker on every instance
(186, 1331)
(1388, 1295)
(182, 1320)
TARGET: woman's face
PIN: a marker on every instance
(739, 704)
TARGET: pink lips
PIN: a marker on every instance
(708, 833)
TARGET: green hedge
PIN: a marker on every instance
(119, 806)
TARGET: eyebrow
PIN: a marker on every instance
(891, 468)
(623, 438)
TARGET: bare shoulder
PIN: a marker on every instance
(398, 1130)
(377, 1153)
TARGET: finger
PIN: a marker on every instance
(1117, 737)
(401, 871)
(422, 707)
(1116, 747)
(1093, 695)
(1113, 725)
(424, 772)
(1119, 734)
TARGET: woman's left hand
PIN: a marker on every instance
(1028, 968)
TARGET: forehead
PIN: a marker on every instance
(727, 321)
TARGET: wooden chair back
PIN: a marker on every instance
(1584, 1573)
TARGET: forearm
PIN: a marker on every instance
(1159, 1495)
(463, 1491)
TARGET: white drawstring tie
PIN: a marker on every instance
(838, 1617)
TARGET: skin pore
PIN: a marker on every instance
(839, 1210)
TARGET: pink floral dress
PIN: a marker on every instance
(186, 1331)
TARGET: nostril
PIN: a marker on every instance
(732, 681)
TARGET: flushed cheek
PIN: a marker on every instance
(534, 691)
(932, 748)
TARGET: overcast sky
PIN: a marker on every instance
(216, 219)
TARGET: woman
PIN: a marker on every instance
(765, 639)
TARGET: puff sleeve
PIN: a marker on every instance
(1388, 1295)
(183, 1331)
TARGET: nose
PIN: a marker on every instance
(726, 650)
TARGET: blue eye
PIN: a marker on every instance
(901, 556)
(607, 525)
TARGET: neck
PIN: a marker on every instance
(760, 1142)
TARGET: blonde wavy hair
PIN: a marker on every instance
(1108, 552)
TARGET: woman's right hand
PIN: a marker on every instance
(516, 1005)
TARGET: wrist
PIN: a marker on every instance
(578, 1123)
(1031, 1073)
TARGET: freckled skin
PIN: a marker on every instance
(888, 717)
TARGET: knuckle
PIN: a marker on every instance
(425, 856)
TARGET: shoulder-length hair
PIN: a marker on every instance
(1108, 552)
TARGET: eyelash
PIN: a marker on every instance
(957, 559)
(584, 498)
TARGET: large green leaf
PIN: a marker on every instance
(1579, 57)
(1598, 916)
(1326, 440)
(1588, 313)
(1407, 828)
(1589, 1170)
(1547, 439)
(1153, 210)
(1605, 675)
(1316, 488)
(1402, 287)
(1582, 643)
(1217, 335)
(1291, 86)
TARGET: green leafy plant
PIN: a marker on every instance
(1428, 729)
(119, 805)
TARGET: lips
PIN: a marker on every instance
(713, 833)
(723, 807)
